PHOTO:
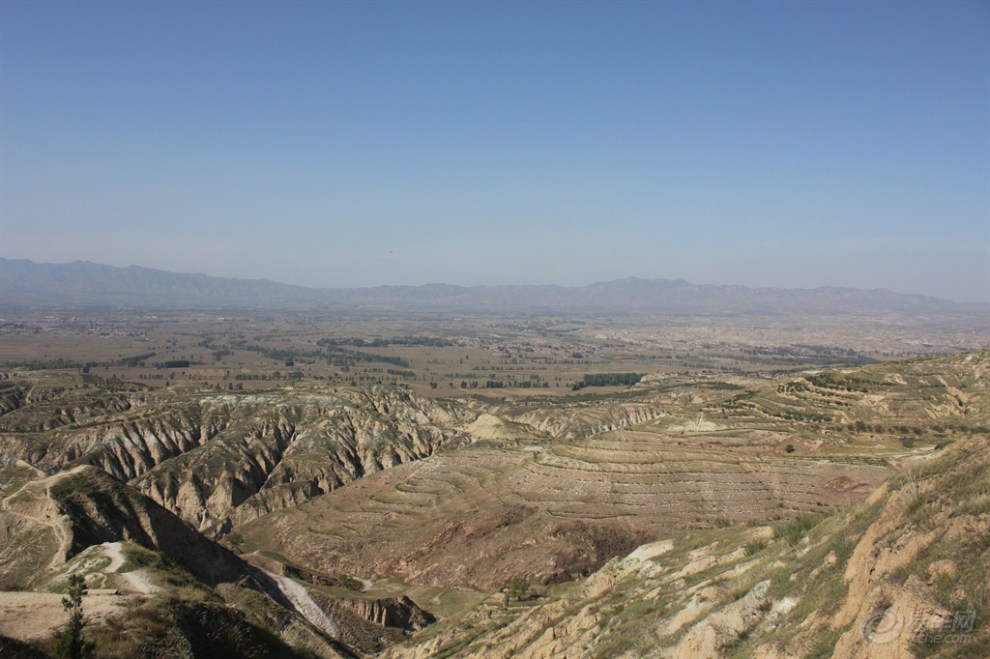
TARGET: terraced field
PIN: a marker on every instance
(548, 512)
(911, 396)
(640, 474)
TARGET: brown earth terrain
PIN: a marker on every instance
(663, 518)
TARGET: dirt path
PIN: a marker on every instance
(112, 551)
(59, 523)
(135, 580)
(41, 509)
(27, 615)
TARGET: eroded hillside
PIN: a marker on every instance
(902, 574)
(217, 460)
(837, 511)
(158, 587)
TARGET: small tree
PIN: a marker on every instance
(68, 640)
(517, 589)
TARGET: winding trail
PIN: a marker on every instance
(138, 582)
(59, 526)
(48, 514)
(135, 580)
(116, 556)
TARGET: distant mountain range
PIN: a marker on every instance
(82, 285)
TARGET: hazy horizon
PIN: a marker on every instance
(497, 285)
(343, 145)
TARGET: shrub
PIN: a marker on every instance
(755, 547)
(796, 530)
(517, 589)
(68, 640)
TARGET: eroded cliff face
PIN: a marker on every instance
(400, 612)
(220, 460)
(101, 509)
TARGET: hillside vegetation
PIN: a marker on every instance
(838, 512)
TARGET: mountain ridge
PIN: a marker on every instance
(25, 284)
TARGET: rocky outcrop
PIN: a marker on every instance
(400, 612)
(12, 396)
(367, 625)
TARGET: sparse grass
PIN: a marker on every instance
(824, 644)
(755, 547)
(796, 530)
(137, 557)
(916, 504)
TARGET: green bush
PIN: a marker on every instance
(796, 530)
(68, 639)
(755, 547)
(517, 589)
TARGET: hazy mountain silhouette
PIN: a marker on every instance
(25, 284)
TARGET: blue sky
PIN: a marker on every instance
(354, 144)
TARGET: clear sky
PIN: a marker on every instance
(792, 144)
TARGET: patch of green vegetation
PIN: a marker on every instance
(755, 547)
(814, 579)
(915, 506)
(137, 557)
(720, 386)
(69, 641)
(843, 547)
(608, 380)
(517, 589)
(796, 530)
